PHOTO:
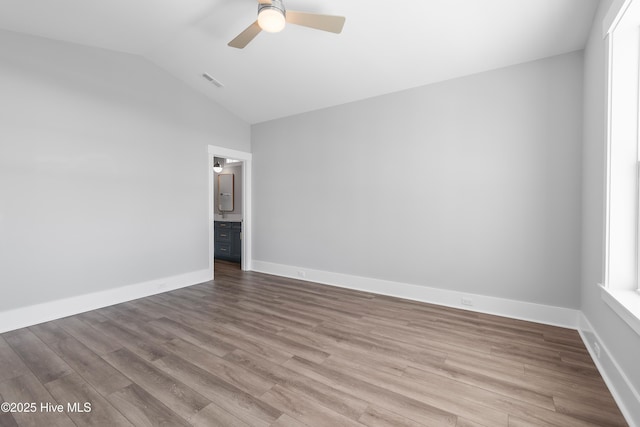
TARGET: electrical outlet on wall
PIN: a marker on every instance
(302, 274)
(467, 301)
(596, 349)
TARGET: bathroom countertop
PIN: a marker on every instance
(228, 218)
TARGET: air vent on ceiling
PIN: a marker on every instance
(210, 79)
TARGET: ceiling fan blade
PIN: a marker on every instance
(329, 23)
(246, 36)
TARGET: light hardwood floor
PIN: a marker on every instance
(256, 350)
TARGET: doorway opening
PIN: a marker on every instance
(229, 208)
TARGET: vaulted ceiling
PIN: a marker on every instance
(384, 47)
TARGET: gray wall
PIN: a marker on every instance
(103, 170)
(471, 185)
(621, 341)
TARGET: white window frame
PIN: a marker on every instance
(637, 235)
(620, 285)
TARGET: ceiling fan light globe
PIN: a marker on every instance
(271, 20)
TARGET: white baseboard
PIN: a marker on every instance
(547, 314)
(621, 388)
(44, 312)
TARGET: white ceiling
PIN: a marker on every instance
(385, 46)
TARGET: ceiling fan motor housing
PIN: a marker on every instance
(275, 5)
(272, 17)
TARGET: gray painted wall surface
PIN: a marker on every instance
(621, 341)
(471, 185)
(103, 170)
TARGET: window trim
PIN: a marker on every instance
(621, 262)
(625, 304)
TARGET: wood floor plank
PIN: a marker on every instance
(520, 422)
(237, 375)
(298, 406)
(460, 337)
(439, 341)
(532, 420)
(556, 372)
(49, 332)
(11, 365)
(214, 416)
(485, 364)
(240, 404)
(73, 392)
(548, 360)
(343, 403)
(263, 323)
(250, 349)
(6, 419)
(144, 410)
(375, 393)
(350, 350)
(188, 310)
(182, 399)
(144, 331)
(213, 337)
(27, 389)
(599, 415)
(195, 336)
(125, 338)
(549, 387)
(330, 312)
(102, 376)
(453, 403)
(149, 307)
(463, 422)
(287, 421)
(273, 340)
(570, 339)
(128, 313)
(396, 350)
(375, 416)
(91, 317)
(485, 382)
(289, 315)
(86, 335)
(40, 359)
(488, 399)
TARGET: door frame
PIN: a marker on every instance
(245, 157)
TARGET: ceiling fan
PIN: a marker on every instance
(272, 17)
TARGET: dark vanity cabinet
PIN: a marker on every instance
(227, 240)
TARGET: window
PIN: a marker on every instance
(621, 264)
